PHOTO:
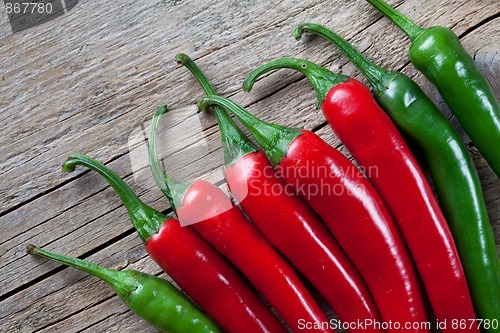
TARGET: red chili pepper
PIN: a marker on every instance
(208, 210)
(350, 207)
(378, 147)
(417, 211)
(290, 224)
(190, 261)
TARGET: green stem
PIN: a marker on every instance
(378, 77)
(321, 79)
(187, 62)
(123, 282)
(146, 220)
(110, 276)
(173, 190)
(403, 22)
(234, 142)
(274, 139)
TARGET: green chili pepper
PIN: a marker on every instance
(453, 172)
(150, 297)
(439, 55)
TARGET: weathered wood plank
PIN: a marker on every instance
(131, 80)
(94, 219)
(44, 300)
(116, 74)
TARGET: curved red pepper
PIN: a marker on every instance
(393, 170)
(191, 262)
(293, 228)
(206, 277)
(350, 207)
(358, 219)
(207, 209)
(238, 240)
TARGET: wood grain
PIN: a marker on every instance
(90, 80)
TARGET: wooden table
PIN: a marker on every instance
(90, 80)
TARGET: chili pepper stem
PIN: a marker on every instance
(150, 297)
(234, 141)
(274, 139)
(123, 287)
(173, 190)
(378, 77)
(187, 62)
(321, 79)
(145, 219)
(404, 23)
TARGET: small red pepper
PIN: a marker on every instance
(350, 207)
(190, 261)
(290, 225)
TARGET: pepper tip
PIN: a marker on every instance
(247, 84)
(181, 58)
(72, 161)
(298, 31)
(68, 166)
(162, 108)
(31, 249)
(203, 105)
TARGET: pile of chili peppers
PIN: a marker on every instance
(373, 244)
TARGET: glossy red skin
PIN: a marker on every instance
(209, 280)
(212, 213)
(360, 222)
(293, 228)
(377, 146)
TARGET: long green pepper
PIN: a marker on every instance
(439, 55)
(453, 172)
(150, 297)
